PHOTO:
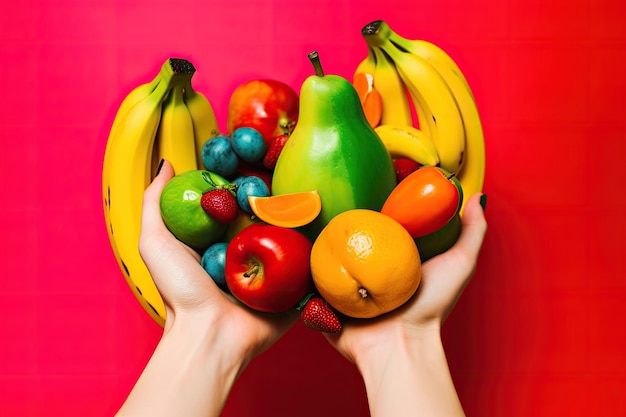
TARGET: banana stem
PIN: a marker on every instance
(371, 28)
(314, 57)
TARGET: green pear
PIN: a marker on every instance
(334, 150)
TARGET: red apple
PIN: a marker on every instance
(268, 268)
(269, 106)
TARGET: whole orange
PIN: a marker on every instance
(365, 263)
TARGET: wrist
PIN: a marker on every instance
(398, 343)
(192, 369)
(200, 334)
(408, 374)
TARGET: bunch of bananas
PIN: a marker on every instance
(417, 77)
(164, 118)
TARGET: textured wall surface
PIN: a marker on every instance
(538, 332)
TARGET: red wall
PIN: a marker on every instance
(538, 332)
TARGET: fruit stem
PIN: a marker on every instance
(363, 292)
(371, 28)
(314, 57)
(206, 176)
(302, 303)
(252, 271)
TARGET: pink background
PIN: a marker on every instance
(539, 332)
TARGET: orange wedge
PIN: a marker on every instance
(287, 210)
(370, 97)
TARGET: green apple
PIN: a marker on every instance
(182, 213)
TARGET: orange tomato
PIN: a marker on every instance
(424, 201)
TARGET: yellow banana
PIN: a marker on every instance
(136, 95)
(408, 142)
(430, 93)
(368, 65)
(472, 173)
(430, 52)
(203, 118)
(126, 173)
(396, 106)
(175, 139)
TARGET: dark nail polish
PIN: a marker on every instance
(483, 201)
(161, 166)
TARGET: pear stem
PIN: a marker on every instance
(314, 57)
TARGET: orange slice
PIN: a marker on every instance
(370, 97)
(287, 210)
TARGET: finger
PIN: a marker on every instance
(445, 276)
(473, 229)
(151, 212)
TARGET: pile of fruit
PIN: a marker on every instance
(327, 201)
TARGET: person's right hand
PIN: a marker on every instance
(400, 355)
(443, 279)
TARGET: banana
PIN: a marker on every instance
(368, 65)
(408, 142)
(430, 93)
(175, 140)
(203, 118)
(395, 102)
(472, 173)
(430, 52)
(126, 173)
(136, 95)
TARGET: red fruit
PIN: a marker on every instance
(403, 167)
(269, 106)
(220, 204)
(318, 315)
(274, 150)
(268, 267)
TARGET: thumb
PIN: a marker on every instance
(474, 227)
(151, 212)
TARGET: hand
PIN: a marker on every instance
(400, 355)
(188, 291)
(208, 337)
(444, 278)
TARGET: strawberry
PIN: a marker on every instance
(220, 204)
(403, 167)
(274, 150)
(318, 315)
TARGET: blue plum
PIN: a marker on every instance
(247, 186)
(213, 261)
(219, 156)
(249, 144)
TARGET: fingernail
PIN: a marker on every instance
(483, 201)
(161, 166)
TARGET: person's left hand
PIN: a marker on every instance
(188, 291)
